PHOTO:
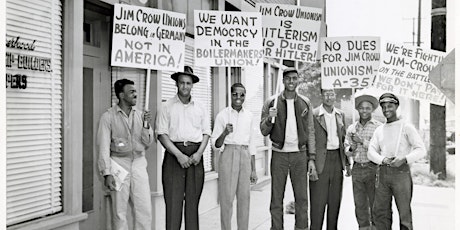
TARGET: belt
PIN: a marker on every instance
(187, 143)
(369, 163)
(333, 150)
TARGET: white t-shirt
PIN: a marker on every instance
(291, 142)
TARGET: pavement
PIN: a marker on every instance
(433, 208)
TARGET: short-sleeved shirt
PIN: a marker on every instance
(183, 122)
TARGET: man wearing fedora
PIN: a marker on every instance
(327, 180)
(293, 145)
(184, 130)
(363, 173)
(394, 146)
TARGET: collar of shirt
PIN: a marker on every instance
(371, 121)
(284, 98)
(323, 111)
(133, 108)
(177, 100)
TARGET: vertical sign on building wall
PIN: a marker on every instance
(228, 38)
(349, 62)
(148, 38)
(404, 70)
(290, 32)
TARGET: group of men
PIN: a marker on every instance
(312, 145)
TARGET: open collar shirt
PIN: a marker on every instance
(331, 124)
(183, 122)
(365, 132)
(122, 134)
(243, 128)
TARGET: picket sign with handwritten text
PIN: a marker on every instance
(290, 32)
(404, 71)
(148, 38)
(349, 62)
(228, 38)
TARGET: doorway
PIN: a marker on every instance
(96, 100)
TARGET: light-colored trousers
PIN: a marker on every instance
(135, 187)
(234, 179)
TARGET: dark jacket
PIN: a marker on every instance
(321, 138)
(304, 120)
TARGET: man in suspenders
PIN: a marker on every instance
(393, 147)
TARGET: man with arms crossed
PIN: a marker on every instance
(363, 173)
(293, 144)
(326, 183)
(393, 147)
(183, 129)
(233, 133)
(122, 139)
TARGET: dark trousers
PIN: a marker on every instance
(294, 164)
(180, 184)
(393, 182)
(363, 178)
(327, 190)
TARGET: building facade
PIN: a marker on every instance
(59, 82)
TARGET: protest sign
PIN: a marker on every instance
(148, 38)
(228, 38)
(404, 70)
(349, 62)
(290, 32)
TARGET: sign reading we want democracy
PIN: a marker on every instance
(148, 38)
(349, 62)
(228, 38)
(290, 32)
(404, 70)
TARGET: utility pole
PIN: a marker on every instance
(438, 113)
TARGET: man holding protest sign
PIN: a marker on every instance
(393, 147)
(293, 144)
(326, 183)
(363, 174)
(233, 133)
(122, 140)
(183, 129)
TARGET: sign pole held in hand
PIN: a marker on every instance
(278, 89)
(147, 95)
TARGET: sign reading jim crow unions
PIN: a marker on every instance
(349, 62)
(404, 70)
(290, 32)
(148, 38)
(224, 38)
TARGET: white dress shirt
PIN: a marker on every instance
(183, 122)
(331, 125)
(243, 128)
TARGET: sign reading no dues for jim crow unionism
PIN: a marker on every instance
(404, 70)
(290, 32)
(349, 62)
(224, 38)
(148, 38)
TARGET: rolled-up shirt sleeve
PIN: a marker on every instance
(162, 123)
(418, 149)
(205, 122)
(348, 141)
(374, 150)
(218, 129)
(103, 144)
(147, 136)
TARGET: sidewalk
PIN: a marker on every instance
(432, 209)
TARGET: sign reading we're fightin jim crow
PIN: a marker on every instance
(404, 70)
(148, 38)
(290, 32)
(349, 62)
(228, 38)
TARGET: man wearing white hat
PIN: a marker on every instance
(363, 173)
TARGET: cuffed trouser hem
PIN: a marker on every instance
(296, 228)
